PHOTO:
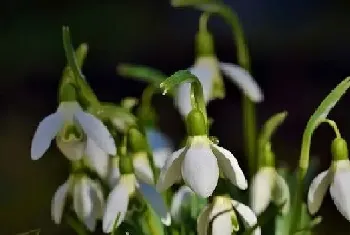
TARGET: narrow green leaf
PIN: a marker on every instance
(85, 90)
(141, 73)
(271, 126)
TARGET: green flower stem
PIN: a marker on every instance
(249, 113)
(334, 126)
(125, 161)
(86, 90)
(204, 40)
(197, 97)
(67, 92)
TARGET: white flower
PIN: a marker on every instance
(207, 69)
(267, 185)
(198, 164)
(72, 126)
(118, 200)
(337, 179)
(88, 202)
(221, 217)
(161, 146)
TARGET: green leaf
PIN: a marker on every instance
(141, 73)
(85, 90)
(271, 126)
(319, 115)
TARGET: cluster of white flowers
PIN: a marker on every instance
(110, 173)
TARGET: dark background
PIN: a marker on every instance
(300, 50)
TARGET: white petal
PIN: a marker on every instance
(204, 71)
(220, 216)
(157, 202)
(182, 99)
(243, 80)
(96, 193)
(114, 172)
(180, 198)
(97, 131)
(160, 156)
(116, 207)
(96, 158)
(142, 168)
(230, 167)
(340, 192)
(281, 194)
(200, 170)
(73, 149)
(58, 202)
(248, 217)
(98, 205)
(161, 146)
(90, 223)
(81, 197)
(203, 220)
(171, 172)
(261, 189)
(46, 131)
(318, 190)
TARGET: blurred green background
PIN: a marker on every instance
(300, 50)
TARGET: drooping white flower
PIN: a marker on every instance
(199, 164)
(118, 201)
(161, 146)
(71, 126)
(267, 185)
(207, 69)
(220, 216)
(88, 202)
(336, 178)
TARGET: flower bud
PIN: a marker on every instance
(195, 123)
(339, 149)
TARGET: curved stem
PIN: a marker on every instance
(196, 96)
(203, 21)
(334, 126)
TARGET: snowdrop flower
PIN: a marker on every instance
(267, 185)
(207, 69)
(88, 202)
(336, 178)
(72, 127)
(118, 201)
(128, 185)
(161, 146)
(220, 216)
(199, 164)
